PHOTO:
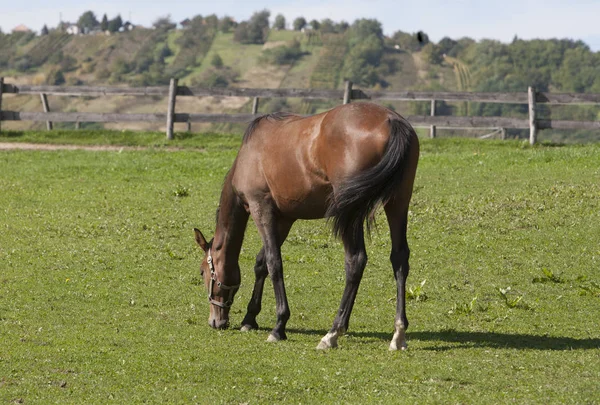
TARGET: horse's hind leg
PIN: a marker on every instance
(397, 212)
(261, 273)
(355, 262)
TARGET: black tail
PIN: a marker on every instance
(357, 199)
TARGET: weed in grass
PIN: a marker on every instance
(417, 293)
(512, 299)
(591, 288)
(464, 309)
(181, 191)
(174, 255)
(548, 277)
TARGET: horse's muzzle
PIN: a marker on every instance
(219, 324)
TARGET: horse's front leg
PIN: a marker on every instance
(255, 303)
(273, 230)
(355, 262)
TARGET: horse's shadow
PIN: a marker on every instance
(466, 340)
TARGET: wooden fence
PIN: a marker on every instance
(532, 98)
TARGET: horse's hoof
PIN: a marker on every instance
(329, 341)
(394, 346)
(272, 338)
(247, 328)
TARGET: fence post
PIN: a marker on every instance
(348, 92)
(46, 109)
(171, 108)
(1, 86)
(77, 125)
(503, 133)
(432, 133)
(255, 105)
(532, 116)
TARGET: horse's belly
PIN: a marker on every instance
(302, 203)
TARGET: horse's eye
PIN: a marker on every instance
(201, 271)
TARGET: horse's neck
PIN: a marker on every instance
(231, 222)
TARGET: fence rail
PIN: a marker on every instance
(531, 98)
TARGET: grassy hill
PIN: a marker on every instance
(202, 55)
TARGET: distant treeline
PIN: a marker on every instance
(359, 50)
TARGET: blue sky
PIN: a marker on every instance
(501, 20)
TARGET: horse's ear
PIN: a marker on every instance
(200, 240)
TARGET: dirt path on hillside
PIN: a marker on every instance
(93, 148)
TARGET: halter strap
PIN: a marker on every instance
(213, 276)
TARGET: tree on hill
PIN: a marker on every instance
(87, 21)
(366, 27)
(406, 41)
(279, 22)
(342, 26)
(164, 23)
(226, 24)
(44, 30)
(327, 26)
(299, 23)
(104, 23)
(115, 24)
(366, 49)
(241, 33)
(212, 21)
(255, 31)
(579, 71)
(448, 46)
(315, 25)
(432, 54)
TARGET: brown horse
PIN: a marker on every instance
(341, 164)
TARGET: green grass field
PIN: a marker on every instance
(101, 302)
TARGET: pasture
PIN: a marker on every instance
(101, 299)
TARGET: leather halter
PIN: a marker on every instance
(213, 277)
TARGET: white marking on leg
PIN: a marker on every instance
(329, 341)
(399, 338)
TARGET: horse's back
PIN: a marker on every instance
(299, 161)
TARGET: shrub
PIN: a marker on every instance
(74, 81)
(216, 77)
(23, 64)
(216, 61)
(102, 74)
(432, 54)
(163, 52)
(283, 55)
(55, 77)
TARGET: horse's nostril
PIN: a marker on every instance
(224, 324)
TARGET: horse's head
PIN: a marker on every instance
(220, 292)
